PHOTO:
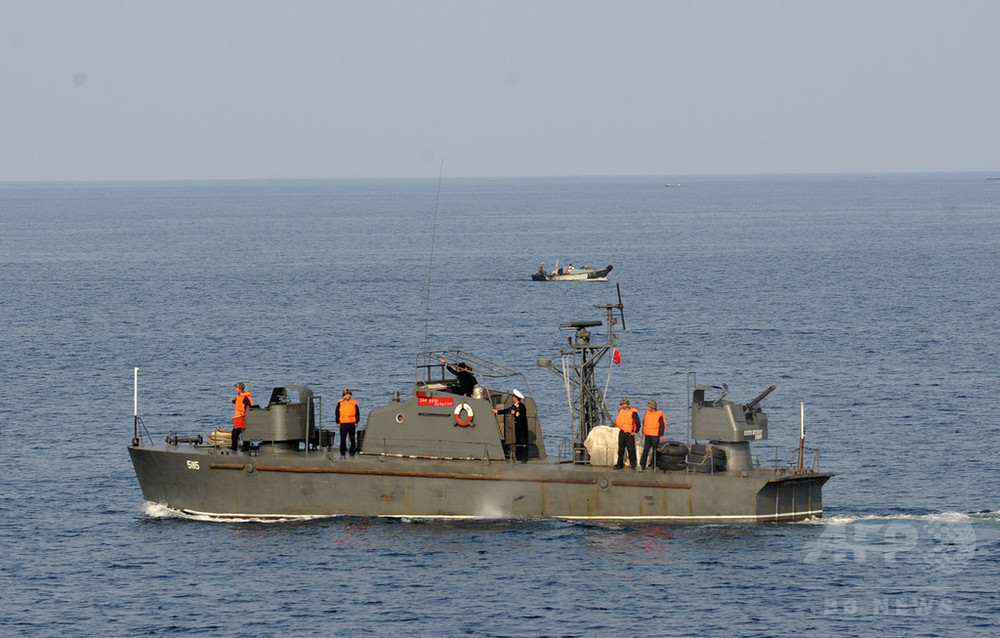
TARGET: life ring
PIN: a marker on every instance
(458, 414)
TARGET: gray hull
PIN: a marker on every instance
(281, 484)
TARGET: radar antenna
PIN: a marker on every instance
(620, 306)
(610, 308)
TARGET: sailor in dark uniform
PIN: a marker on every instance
(466, 380)
(520, 413)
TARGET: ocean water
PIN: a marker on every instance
(870, 299)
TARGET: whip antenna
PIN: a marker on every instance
(135, 404)
(430, 263)
(620, 306)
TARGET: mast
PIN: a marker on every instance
(580, 359)
(135, 404)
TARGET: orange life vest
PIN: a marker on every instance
(625, 419)
(241, 404)
(651, 423)
(348, 411)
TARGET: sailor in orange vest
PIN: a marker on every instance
(628, 424)
(654, 425)
(347, 418)
(242, 400)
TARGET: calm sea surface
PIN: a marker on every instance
(871, 299)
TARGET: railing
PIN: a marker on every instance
(478, 451)
(790, 466)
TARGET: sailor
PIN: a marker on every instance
(520, 414)
(654, 425)
(466, 380)
(628, 424)
(346, 415)
(242, 400)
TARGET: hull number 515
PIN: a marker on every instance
(193, 465)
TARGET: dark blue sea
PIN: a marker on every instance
(872, 299)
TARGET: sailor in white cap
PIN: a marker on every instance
(520, 414)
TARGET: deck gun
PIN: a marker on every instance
(750, 407)
(727, 421)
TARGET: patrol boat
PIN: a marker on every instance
(437, 453)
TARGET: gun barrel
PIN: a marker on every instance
(760, 397)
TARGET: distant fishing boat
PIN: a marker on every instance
(570, 273)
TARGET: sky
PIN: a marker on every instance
(255, 89)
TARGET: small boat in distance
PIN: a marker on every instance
(569, 273)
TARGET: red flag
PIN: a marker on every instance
(617, 356)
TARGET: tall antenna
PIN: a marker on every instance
(135, 404)
(430, 263)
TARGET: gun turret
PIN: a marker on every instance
(727, 421)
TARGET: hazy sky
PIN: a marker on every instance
(206, 89)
